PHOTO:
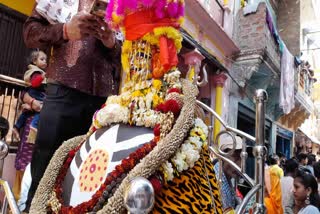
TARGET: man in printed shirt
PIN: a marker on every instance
(83, 70)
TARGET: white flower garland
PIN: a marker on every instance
(173, 79)
(188, 153)
(117, 109)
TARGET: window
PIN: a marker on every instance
(13, 51)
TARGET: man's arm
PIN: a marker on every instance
(39, 33)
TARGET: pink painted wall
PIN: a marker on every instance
(223, 16)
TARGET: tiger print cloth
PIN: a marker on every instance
(190, 192)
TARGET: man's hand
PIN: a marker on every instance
(104, 33)
(81, 25)
(84, 24)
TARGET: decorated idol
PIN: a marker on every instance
(149, 131)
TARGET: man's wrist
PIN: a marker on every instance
(65, 32)
(110, 42)
(31, 103)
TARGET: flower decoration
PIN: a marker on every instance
(174, 90)
(188, 153)
(118, 9)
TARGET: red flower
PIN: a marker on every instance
(69, 160)
(120, 169)
(161, 107)
(156, 183)
(103, 105)
(109, 179)
(65, 210)
(115, 174)
(132, 162)
(173, 106)
(156, 130)
(156, 139)
(172, 90)
(94, 129)
(147, 148)
(140, 153)
(153, 143)
(134, 156)
(72, 153)
(126, 164)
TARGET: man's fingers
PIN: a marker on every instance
(84, 16)
(89, 31)
(85, 25)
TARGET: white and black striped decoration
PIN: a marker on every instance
(98, 156)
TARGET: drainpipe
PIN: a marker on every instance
(218, 83)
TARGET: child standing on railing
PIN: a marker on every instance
(34, 78)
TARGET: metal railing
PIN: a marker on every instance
(10, 92)
(304, 79)
(259, 151)
(8, 199)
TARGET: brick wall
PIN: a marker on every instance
(289, 24)
(252, 35)
(250, 30)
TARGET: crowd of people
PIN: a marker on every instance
(291, 186)
(84, 69)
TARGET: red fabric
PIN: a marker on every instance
(36, 80)
(142, 22)
(168, 53)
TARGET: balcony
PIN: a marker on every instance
(258, 64)
(304, 81)
(210, 25)
(304, 106)
(256, 42)
(215, 10)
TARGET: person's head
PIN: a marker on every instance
(303, 159)
(38, 58)
(226, 144)
(274, 159)
(291, 166)
(281, 155)
(305, 188)
(282, 158)
(311, 159)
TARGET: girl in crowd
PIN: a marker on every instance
(305, 192)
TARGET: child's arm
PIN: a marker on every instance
(36, 105)
(36, 80)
